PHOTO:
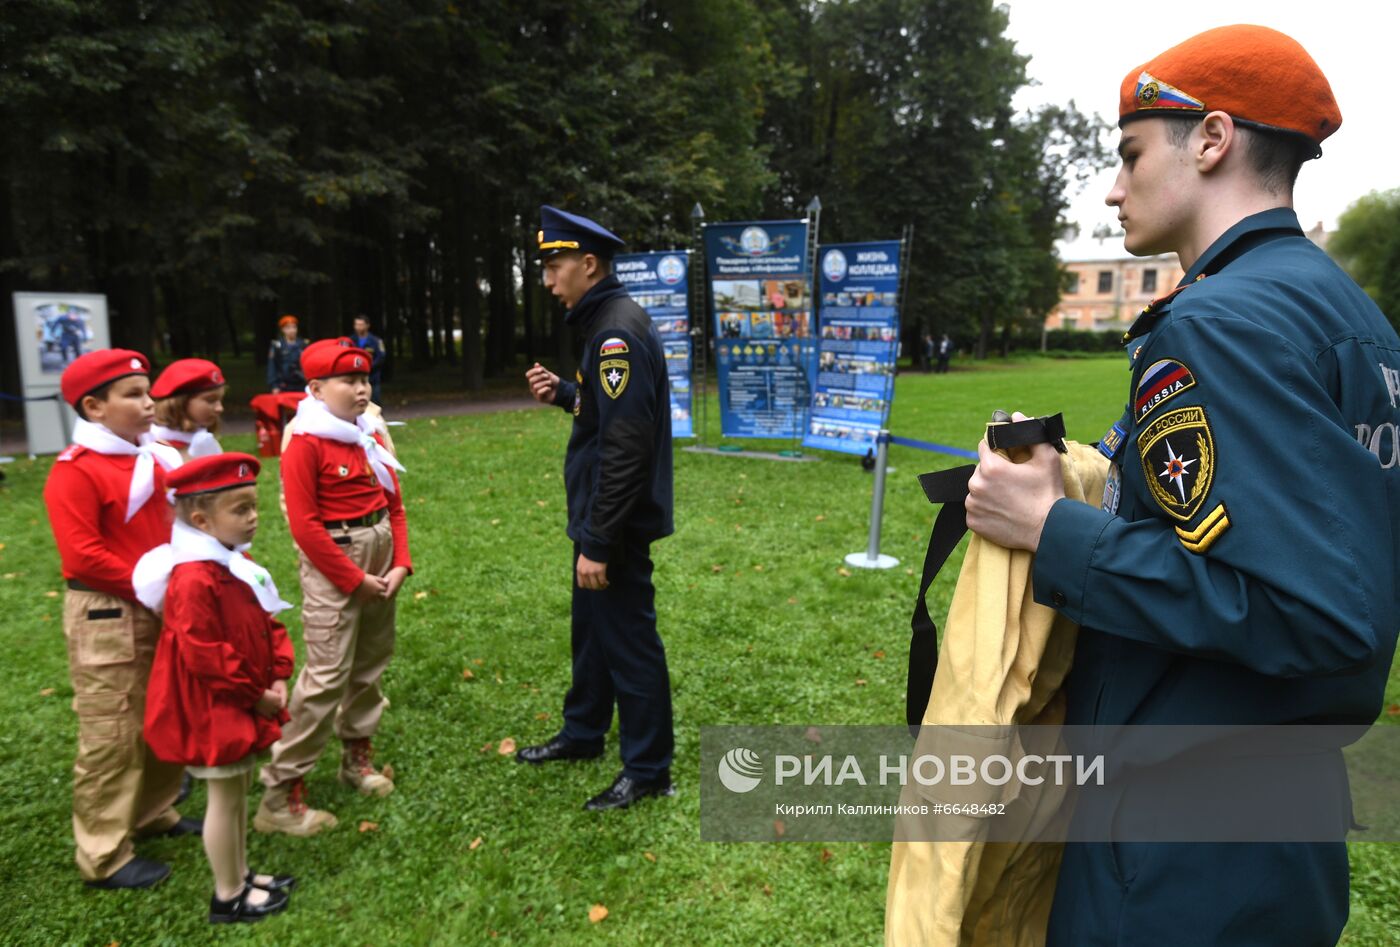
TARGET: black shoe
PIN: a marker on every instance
(557, 749)
(137, 873)
(185, 826)
(186, 783)
(239, 911)
(278, 882)
(625, 790)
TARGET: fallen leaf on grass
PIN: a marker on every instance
(369, 826)
(768, 890)
(792, 601)
(649, 856)
(495, 522)
(488, 747)
(419, 596)
(507, 746)
(821, 517)
(826, 855)
(478, 661)
(542, 715)
(476, 843)
(860, 682)
(46, 692)
(1393, 710)
(758, 568)
(597, 913)
(50, 594)
(843, 572)
(878, 654)
(541, 504)
(467, 674)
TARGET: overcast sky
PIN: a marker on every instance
(1082, 49)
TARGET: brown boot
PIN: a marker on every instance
(357, 770)
(284, 809)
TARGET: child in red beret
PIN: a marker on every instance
(189, 398)
(346, 515)
(218, 689)
(106, 502)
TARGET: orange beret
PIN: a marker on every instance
(87, 373)
(330, 357)
(1259, 76)
(215, 472)
(187, 376)
(287, 320)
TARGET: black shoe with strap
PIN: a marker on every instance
(626, 790)
(558, 748)
(275, 882)
(239, 910)
(137, 873)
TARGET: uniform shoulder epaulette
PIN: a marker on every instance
(71, 452)
(1154, 309)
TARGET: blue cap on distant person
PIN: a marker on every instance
(561, 232)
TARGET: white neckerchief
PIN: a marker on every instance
(200, 443)
(187, 544)
(148, 453)
(313, 417)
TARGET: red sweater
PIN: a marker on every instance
(329, 480)
(218, 652)
(86, 495)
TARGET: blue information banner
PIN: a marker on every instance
(761, 292)
(659, 283)
(859, 342)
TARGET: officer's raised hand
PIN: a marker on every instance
(591, 575)
(544, 384)
(1007, 502)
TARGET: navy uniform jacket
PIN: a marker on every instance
(374, 345)
(284, 365)
(617, 470)
(1249, 574)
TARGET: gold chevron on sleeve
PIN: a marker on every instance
(1201, 538)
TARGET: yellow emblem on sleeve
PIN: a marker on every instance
(613, 373)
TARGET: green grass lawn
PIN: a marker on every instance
(761, 623)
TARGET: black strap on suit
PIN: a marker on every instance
(949, 487)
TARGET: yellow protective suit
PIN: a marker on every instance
(1002, 661)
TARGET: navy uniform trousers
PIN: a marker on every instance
(618, 657)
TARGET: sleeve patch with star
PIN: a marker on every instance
(614, 373)
(1178, 461)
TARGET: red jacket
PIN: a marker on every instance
(86, 495)
(218, 652)
(330, 480)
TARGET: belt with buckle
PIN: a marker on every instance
(369, 519)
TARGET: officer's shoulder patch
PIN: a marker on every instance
(614, 373)
(1161, 381)
(1177, 451)
(1205, 534)
(613, 346)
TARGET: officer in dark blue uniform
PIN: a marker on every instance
(374, 345)
(1243, 568)
(284, 358)
(617, 472)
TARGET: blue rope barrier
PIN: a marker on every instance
(930, 446)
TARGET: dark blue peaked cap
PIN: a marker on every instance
(561, 231)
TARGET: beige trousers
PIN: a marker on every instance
(348, 646)
(120, 789)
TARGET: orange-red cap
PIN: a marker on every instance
(287, 320)
(215, 472)
(187, 376)
(328, 357)
(1258, 76)
(87, 373)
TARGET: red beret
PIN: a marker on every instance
(287, 320)
(87, 373)
(187, 376)
(215, 472)
(1257, 75)
(334, 357)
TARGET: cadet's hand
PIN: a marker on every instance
(1007, 502)
(591, 575)
(371, 588)
(280, 689)
(276, 391)
(543, 383)
(269, 704)
(394, 580)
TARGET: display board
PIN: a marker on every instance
(660, 284)
(52, 329)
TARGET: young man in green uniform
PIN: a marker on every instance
(1243, 567)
